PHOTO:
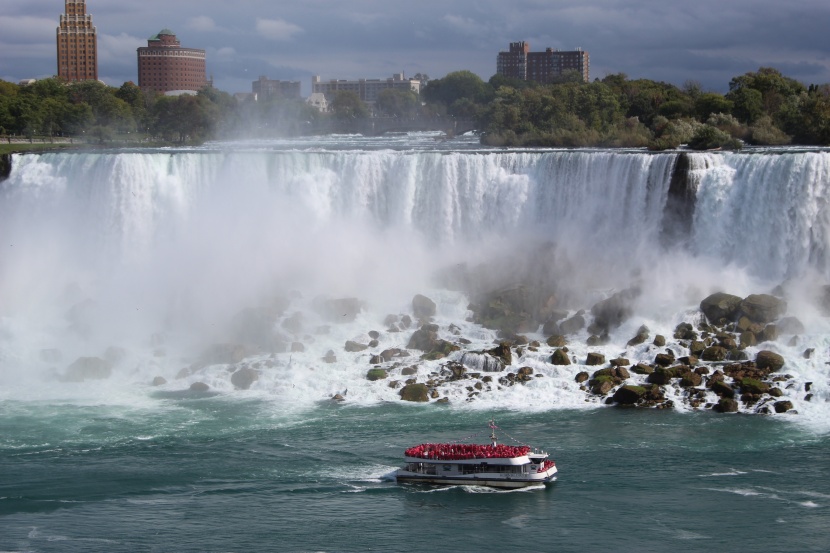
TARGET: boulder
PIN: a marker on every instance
(661, 376)
(582, 377)
(640, 338)
(353, 347)
(754, 386)
(790, 325)
(691, 380)
(423, 307)
(722, 389)
(223, 354)
(769, 360)
(763, 308)
(557, 341)
(572, 325)
(602, 386)
(629, 395)
(612, 312)
(726, 405)
(88, 368)
(376, 374)
(502, 351)
(415, 392)
(560, 357)
(714, 353)
(720, 306)
(244, 378)
(783, 406)
(159, 381)
(642, 368)
(659, 341)
(199, 387)
(330, 357)
(595, 359)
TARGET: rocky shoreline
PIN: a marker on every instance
(703, 365)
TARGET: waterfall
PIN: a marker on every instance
(106, 246)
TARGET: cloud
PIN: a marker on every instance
(201, 23)
(277, 29)
(27, 29)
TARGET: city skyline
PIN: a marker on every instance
(706, 42)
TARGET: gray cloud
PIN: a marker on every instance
(709, 41)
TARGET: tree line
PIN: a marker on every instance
(761, 108)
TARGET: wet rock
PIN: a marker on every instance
(338, 398)
(662, 376)
(572, 325)
(199, 387)
(769, 360)
(582, 377)
(722, 389)
(423, 308)
(720, 306)
(297, 347)
(629, 395)
(659, 341)
(415, 392)
(376, 374)
(769, 334)
(223, 354)
(783, 406)
(244, 378)
(557, 341)
(763, 308)
(726, 405)
(602, 387)
(560, 357)
(642, 368)
(595, 359)
(88, 368)
(159, 381)
(790, 325)
(612, 312)
(714, 353)
(409, 371)
(691, 380)
(353, 347)
(330, 357)
(664, 359)
(640, 338)
(753, 386)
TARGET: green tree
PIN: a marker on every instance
(456, 86)
(710, 102)
(348, 105)
(398, 103)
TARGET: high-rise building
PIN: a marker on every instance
(164, 66)
(77, 42)
(542, 67)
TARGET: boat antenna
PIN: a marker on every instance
(493, 432)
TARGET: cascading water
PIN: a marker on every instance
(159, 252)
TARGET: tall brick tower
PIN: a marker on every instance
(77, 43)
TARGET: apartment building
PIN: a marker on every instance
(264, 88)
(518, 62)
(165, 66)
(366, 89)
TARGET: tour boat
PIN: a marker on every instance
(493, 465)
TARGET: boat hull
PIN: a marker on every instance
(404, 477)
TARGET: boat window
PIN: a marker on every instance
(447, 468)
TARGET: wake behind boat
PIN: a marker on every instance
(494, 465)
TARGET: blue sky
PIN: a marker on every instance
(708, 41)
